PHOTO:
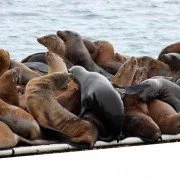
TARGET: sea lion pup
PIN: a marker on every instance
(164, 116)
(139, 76)
(92, 48)
(8, 86)
(21, 122)
(26, 74)
(161, 89)
(126, 72)
(99, 97)
(53, 43)
(55, 63)
(137, 121)
(173, 60)
(4, 61)
(77, 53)
(41, 103)
(173, 48)
(37, 66)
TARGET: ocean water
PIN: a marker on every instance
(134, 27)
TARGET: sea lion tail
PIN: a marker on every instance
(134, 89)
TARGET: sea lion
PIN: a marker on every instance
(53, 43)
(173, 48)
(8, 86)
(77, 53)
(4, 61)
(173, 60)
(71, 100)
(164, 116)
(137, 121)
(21, 122)
(55, 63)
(41, 103)
(126, 72)
(92, 48)
(38, 66)
(121, 58)
(161, 89)
(105, 52)
(140, 75)
(8, 139)
(26, 73)
(40, 57)
(99, 97)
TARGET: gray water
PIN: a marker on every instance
(134, 27)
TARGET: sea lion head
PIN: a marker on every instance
(61, 80)
(53, 42)
(4, 61)
(67, 36)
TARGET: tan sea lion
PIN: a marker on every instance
(4, 61)
(8, 86)
(137, 121)
(126, 72)
(55, 63)
(140, 75)
(53, 43)
(21, 122)
(164, 116)
(173, 48)
(41, 103)
(26, 74)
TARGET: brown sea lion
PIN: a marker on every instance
(8, 86)
(26, 74)
(92, 48)
(105, 52)
(41, 103)
(4, 61)
(164, 116)
(55, 63)
(121, 58)
(137, 121)
(77, 53)
(173, 48)
(173, 60)
(53, 43)
(21, 122)
(126, 72)
(71, 100)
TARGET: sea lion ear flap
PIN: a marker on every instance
(134, 89)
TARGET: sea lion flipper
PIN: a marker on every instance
(132, 89)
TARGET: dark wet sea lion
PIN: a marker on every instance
(173, 60)
(137, 121)
(21, 122)
(164, 116)
(173, 48)
(77, 53)
(8, 86)
(125, 74)
(99, 97)
(53, 43)
(26, 73)
(55, 63)
(161, 89)
(4, 61)
(38, 66)
(41, 103)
